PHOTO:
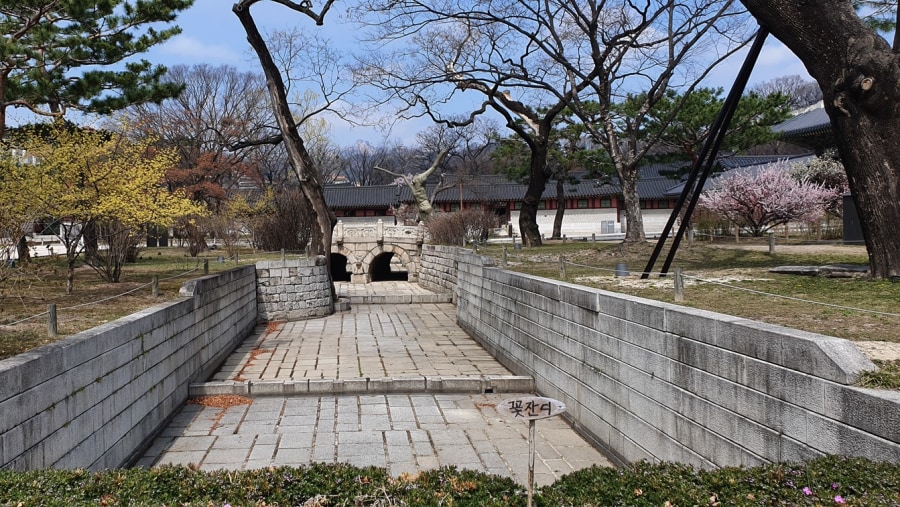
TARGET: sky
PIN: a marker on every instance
(212, 34)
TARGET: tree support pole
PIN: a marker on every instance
(707, 158)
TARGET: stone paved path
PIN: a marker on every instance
(404, 432)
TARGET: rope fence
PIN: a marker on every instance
(52, 310)
(678, 277)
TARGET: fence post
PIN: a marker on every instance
(771, 242)
(51, 320)
(679, 286)
(205, 266)
(505, 256)
(156, 286)
(562, 267)
(282, 255)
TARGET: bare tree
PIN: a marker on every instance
(442, 150)
(298, 155)
(528, 62)
(469, 156)
(417, 184)
(653, 48)
(358, 163)
(802, 93)
(219, 106)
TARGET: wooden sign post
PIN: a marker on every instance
(531, 408)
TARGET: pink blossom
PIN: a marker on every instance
(807, 491)
(839, 499)
(756, 201)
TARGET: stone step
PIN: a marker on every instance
(355, 386)
(397, 299)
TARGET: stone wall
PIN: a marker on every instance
(437, 271)
(650, 380)
(93, 399)
(293, 289)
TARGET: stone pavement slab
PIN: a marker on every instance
(368, 341)
(399, 386)
(405, 433)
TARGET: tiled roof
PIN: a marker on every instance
(375, 196)
(754, 163)
(812, 122)
(653, 183)
(491, 189)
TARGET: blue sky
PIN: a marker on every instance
(212, 35)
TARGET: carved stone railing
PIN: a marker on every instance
(378, 232)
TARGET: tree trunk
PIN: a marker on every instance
(91, 244)
(634, 220)
(4, 79)
(560, 207)
(858, 73)
(531, 234)
(22, 250)
(70, 274)
(299, 157)
(420, 195)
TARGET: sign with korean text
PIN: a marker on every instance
(529, 408)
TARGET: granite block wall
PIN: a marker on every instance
(649, 380)
(93, 399)
(293, 289)
(437, 270)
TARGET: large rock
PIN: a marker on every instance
(829, 271)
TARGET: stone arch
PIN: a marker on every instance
(380, 253)
(383, 268)
(339, 265)
(353, 265)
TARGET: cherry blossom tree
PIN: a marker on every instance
(857, 69)
(757, 201)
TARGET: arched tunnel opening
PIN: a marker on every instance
(385, 267)
(339, 271)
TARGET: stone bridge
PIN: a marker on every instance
(363, 253)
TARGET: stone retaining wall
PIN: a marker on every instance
(293, 289)
(656, 381)
(93, 399)
(437, 271)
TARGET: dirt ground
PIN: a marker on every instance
(799, 249)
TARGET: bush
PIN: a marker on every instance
(830, 480)
(286, 223)
(460, 227)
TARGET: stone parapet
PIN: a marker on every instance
(650, 380)
(94, 399)
(293, 289)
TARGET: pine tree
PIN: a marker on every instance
(45, 43)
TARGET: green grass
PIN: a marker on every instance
(818, 482)
(886, 377)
